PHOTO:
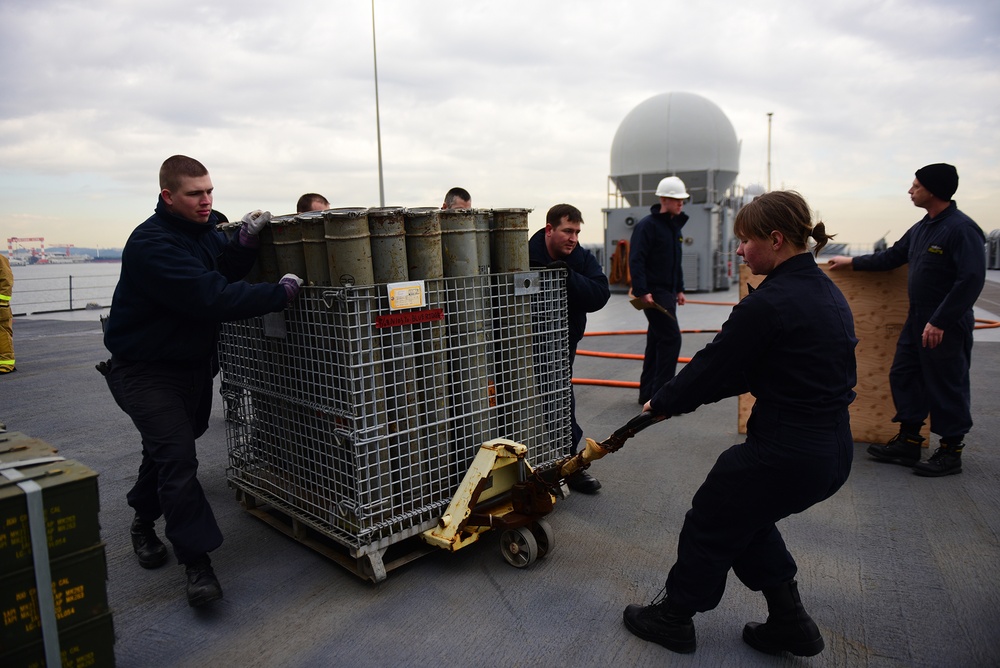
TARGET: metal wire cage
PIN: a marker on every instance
(361, 421)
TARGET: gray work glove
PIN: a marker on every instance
(253, 223)
(291, 283)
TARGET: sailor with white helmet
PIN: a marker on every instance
(657, 277)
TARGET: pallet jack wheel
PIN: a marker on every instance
(519, 547)
(542, 531)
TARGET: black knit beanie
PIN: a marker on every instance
(940, 178)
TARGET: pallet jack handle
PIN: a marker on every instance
(593, 450)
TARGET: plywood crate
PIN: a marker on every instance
(879, 303)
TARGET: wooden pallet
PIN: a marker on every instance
(371, 562)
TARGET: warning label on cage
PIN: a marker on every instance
(406, 295)
(409, 318)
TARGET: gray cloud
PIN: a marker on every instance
(516, 101)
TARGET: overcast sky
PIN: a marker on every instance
(517, 101)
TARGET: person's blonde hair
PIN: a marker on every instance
(783, 211)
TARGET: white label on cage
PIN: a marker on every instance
(406, 295)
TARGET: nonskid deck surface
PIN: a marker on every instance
(897, 570)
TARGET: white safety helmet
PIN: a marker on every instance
(671, 187)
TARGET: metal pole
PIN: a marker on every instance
(71, 292)
(769, 115)
(378, 124)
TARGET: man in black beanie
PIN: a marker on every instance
(930, 371)
(940, 179)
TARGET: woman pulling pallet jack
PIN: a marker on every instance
(791, 344)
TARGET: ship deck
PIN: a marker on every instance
(897, 570)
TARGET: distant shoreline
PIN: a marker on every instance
(96, 260)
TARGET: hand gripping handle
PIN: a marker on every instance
(629, 429)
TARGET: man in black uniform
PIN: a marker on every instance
(791, 344)
(587, 291)
(179, 281)
(930, 370)
(654, 262)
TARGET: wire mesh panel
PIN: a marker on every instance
(362, 421)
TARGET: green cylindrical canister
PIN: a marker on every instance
(388, 243)
(509, 240)
(423, 243)
(459, 252)
(287, 239)
(484, 219)
(266, 268)
(314, 248)
(348, 249)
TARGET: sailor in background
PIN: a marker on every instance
(654, 261)
(587, 290)
(930, 371)
(311, 202)
(457, 198)
(6, 319)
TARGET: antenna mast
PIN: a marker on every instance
(378, 124)
(769, 115)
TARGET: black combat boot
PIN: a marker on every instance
(662, 623)
(946, 460)
(902, 449)
(583, 482)
(148, 547)
(788, 627)
(202, 585)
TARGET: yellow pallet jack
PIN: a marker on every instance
(502, 491)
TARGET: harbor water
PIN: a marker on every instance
(54, 288)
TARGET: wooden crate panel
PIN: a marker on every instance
(879, 303)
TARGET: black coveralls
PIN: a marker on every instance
(179, 281)
(947, 269)
(654, 259)
(587, 291)
(791, 343)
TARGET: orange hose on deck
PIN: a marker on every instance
(642, 332)
(986, 324)
(622, 356)
(617, 356)
(607, 383)
(625, 356)
(627, 331)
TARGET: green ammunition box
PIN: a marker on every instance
(15, 446)
(71, 504)
(79, 590)
(91, 645)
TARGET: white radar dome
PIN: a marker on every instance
(681, 134)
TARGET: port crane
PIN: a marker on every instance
(35, 252)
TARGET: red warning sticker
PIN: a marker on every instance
(408, 318)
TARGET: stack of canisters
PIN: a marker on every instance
(421, 334)
(53, 571)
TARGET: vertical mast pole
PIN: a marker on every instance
(378, 123)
